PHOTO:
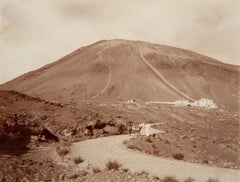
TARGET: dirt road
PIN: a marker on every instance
(109, 76)
(163, 79)
(107, 83)
(98, 151)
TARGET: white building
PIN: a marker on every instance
(208, 103)
(145, 129)
(131, 101)
(204, 103)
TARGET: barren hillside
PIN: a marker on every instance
(119, 70)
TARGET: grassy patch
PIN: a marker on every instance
(189, 179)
(149, 140)
(155, 152)
(113, 165)
(170, 179)
(178, 156)
(78, 160)
(125, 170)
(212, 180)
(62, 151)
(96, 170)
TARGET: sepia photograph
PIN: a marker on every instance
(119, 91)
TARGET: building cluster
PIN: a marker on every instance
(200, 103)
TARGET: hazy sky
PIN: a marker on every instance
(36, 32)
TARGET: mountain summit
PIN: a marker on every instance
(121, 70)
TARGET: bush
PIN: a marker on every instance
(144, 173)
(96, 170)
(78, 160)
(166, 142)
(62, 151)
(74, 176)
(156, 178)
(189, 179)
(205, 161)
(170, 179)
(82, 173)
(125, 170)
(113, 165)
(149, 140)
(156, 152)
(131, 146)
(178, 156)
(212, 180)
(154, 146)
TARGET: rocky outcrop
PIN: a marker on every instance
(115, 126)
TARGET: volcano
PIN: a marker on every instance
(121, 70)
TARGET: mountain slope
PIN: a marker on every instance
(124, 70)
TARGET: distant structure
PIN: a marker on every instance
(144, 129)
(131, 101)
(182, 102)
(208, 103)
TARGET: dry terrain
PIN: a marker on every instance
(195, 135)
(57, 122)
(194, 132)
(120, 70)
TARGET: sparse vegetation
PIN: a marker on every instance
(74, 176)
(62, 151)
(178, 156)
(189, 179)
(212, 180)
(144, 173)
(149, 140)
(96, 170)
(205, 161)
(170, 179)
(156, 178)
(154, 146)
(82, 173)
(125, 170)
(113, 165)
(156, 152)
(196, 132)
(131, 146)
(78, 160)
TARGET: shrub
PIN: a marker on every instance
(82, 173)
(78, 160)
(154, 146)
(178, 156)
(212, 180)
(96, 170)
(74, 176)
(189, 179)
(131, 146)
(149, 140)
(62, 151)
(113, 165)
(144, 173)
(125, 170)
(156, 178)
(155, 152)
(170, 179)
(166, 142)
(205, 161)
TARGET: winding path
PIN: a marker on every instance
(159, 75)
(107, 84)
(99, 151)
(109, 77)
